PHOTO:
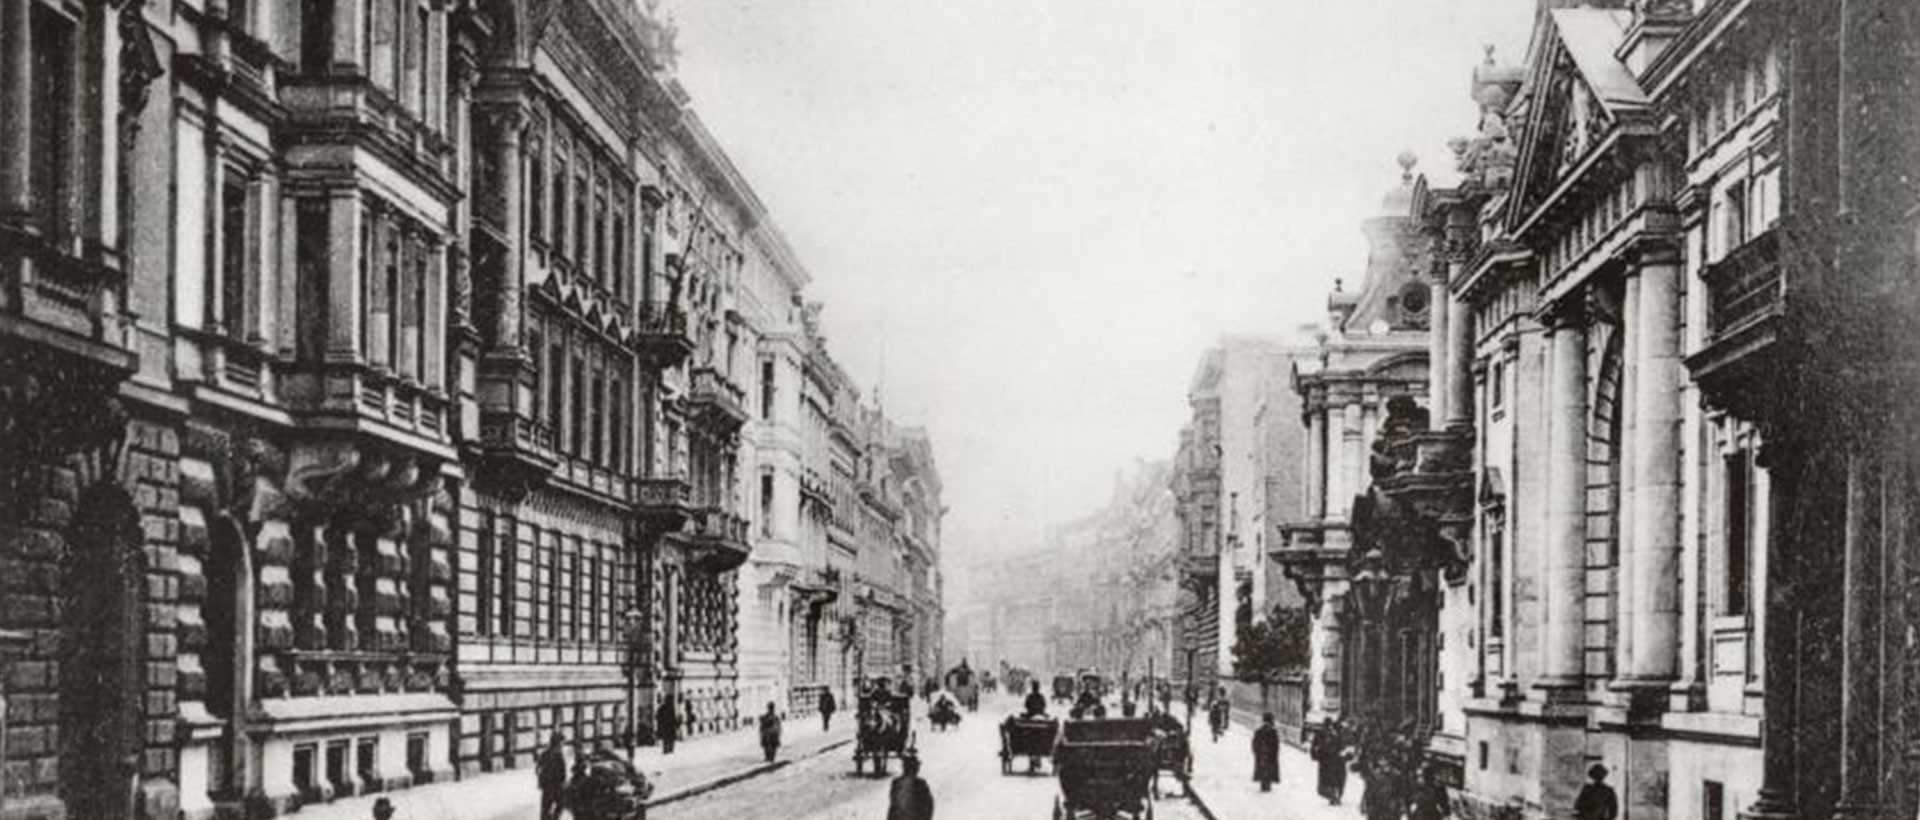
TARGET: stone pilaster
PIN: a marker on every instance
(1563, 578)
(16, 88)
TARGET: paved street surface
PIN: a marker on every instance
(962, 766)
(1223, 779)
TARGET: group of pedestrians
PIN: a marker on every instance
(599, 785)
(1400, 783)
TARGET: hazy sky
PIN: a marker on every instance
(1034, 215)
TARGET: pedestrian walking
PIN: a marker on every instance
(1330, 756)
(1266, 753)
(550, 771)
(666, 723)
(1597, 800)
(827, 707)
(770, 732)
(1429, 800)
(909, 798)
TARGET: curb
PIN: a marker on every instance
(726, 780)
(1193, 796)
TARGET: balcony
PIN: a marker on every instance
(516, 452)
(1746, 298)
(717, 401)
(814, 488)
(661, 337)
(717, 539)
(663, 504)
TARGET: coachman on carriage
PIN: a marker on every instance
(965, 686)
(884, 727)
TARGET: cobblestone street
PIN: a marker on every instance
(962, 766)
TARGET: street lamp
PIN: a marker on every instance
(634, 626)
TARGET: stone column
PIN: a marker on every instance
(347, 241)
(1860, 719)
(1627, 582)
(16, 89)
(1779, 644)
(1656, 468)
(1352, 438)
(1440, 372)
(1316, 462)
(1461, 235)
(1564, 578)
(506, 330)
(1460, 357)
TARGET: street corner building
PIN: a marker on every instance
(385, 385)
(1641, 493)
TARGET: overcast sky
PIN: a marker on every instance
(1028, 218)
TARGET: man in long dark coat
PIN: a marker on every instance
(666, 723)
(1597, 800)
(1266, 753)
(1330, 755)
(827, 708)
(909, 798)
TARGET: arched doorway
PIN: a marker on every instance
(102, 670)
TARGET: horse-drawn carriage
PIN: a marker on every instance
(1064, 688)
(1028, 737)
(1106, 769)
(965, 686)
(884, 728)
(1172, 752)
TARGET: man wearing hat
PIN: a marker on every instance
(550, 772)
(909, 798)
(1597, 800)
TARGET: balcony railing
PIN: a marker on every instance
(719, 539)
(718, 398)
(661, 335)
(1745, 287)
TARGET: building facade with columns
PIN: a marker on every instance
(1629, 457)
(1373, 349)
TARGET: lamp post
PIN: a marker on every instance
(1191, 691)
(634, 625)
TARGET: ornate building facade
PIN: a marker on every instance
(375, 380)
(1675, 243)
(1373, 350)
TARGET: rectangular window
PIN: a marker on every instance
(381, 45)
(337, 768)
(311, 232)
(622, 449)
(506, 540)
(560, 178)
(422, 25)
(1713, 800)
(536, 193)
(1497, 383)
(486, 575)
(417, 757)
(555, 606)
(582, 224)
(1739, 533)
(1496, 576)
(52, 125)
(600, 269)
(766, 390)
(766, 505)
(577, 433)
(303, 765)
(556, 382)
(366, 762)
(600, 446)
(236, 268)
(622, 278)
(316, 35)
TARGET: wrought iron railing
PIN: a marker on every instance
(1746, 286)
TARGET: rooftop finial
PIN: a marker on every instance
(1489, 48)
(1407, 160)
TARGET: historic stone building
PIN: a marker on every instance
(1226, 488)
(1676, 241)
(375, 379)
(1373, 350)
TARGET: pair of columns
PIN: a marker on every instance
(1650, 482)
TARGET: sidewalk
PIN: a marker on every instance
(1223, 781)
(694, 768)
